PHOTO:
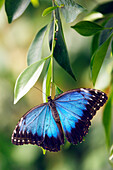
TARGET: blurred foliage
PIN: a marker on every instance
(15, 40)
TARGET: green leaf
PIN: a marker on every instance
(107, 120)
(70, 10)
(1, 3)
(67, 145)
(15, 8)
(35, 50)
(95, 43)
(92, 16)
(27, 79)
(112, 47)
(58, 90)
(98, 58)
(105, 34)
(51, 33)
(87, 28)
(47, 83)
(35, 3)
(60, 51)
(49, 10)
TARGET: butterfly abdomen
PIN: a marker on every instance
(54, 111)
(57, 119)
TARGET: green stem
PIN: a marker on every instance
(47, 57)
(108, 28)
(53, 46)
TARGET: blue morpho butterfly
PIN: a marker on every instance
(69, 113)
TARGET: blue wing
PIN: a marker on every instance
(76, 108)
(43, 126)
(39, 127)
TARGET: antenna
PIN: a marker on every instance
(40, 90)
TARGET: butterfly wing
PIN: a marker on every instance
(76, 108)
(38, 127)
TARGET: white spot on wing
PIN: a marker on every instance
(88, 103)
(96, 91)
(15, 131)
(21, 121)
(90, 99)
(84, 90)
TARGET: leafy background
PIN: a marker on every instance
(15, 40)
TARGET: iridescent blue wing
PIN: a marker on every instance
(38, 127)
(76, 108)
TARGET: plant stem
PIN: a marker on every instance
(53, 46)
(108, 28)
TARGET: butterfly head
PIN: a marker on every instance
(49, 98)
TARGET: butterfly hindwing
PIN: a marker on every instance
(38, 127)
(76, 108)
(53, 134)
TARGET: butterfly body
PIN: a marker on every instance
(53, 109)
(69, 113)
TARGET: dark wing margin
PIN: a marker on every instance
(86, 101)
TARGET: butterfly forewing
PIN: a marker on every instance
(76, 108)
(70, 113)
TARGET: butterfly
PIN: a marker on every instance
(69, 113)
